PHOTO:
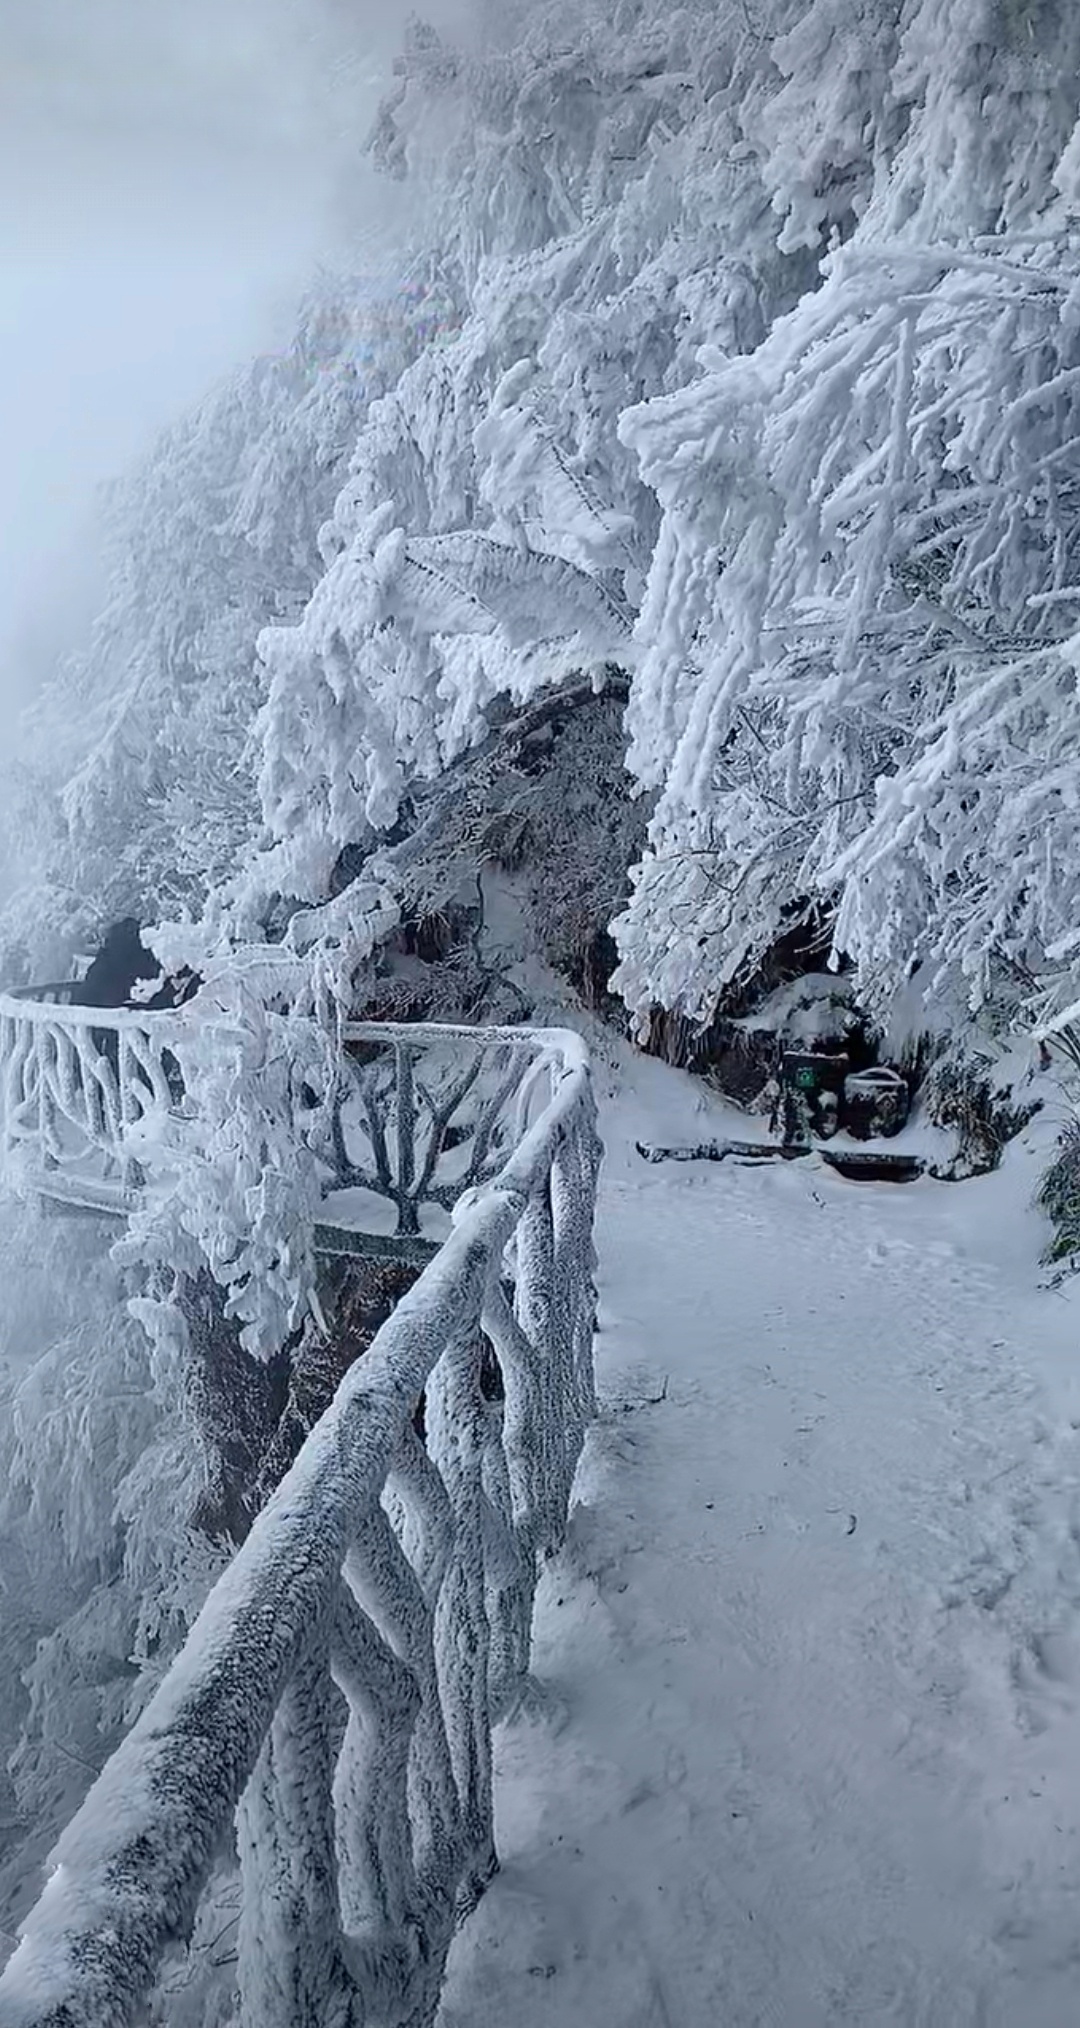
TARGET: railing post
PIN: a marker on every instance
(131, 1172)
(291, 1970)
(8, 1066)
(46, 1107)
(535, 1310)
(456, 1436)
(509, 1558)
(573, 1188)
(408, 1222)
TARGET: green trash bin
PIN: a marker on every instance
(811, 1087)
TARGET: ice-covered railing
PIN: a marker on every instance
(337, 1693)
(75, 1085)
(419, 1113)
(423, 1111)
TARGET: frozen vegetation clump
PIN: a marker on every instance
(1059, 1198)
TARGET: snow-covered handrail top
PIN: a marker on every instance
(564, 1042)
(22, 1006)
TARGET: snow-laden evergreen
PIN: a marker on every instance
(859, 681)
(735, 347)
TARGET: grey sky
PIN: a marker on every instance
(170, 173)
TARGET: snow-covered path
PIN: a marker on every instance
(810, 1748)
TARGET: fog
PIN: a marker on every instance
(171, 172)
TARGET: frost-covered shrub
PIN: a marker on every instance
(1059, 1196)
(960, 1095)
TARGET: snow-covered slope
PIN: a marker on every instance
(806, 1751)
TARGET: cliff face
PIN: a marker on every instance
(518, 855)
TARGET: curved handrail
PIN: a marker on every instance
(405, 1576)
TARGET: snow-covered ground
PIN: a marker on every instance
(808, 1749)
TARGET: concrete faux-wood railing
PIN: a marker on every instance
(335, 1699)
(419, 1113)
(74, 1083)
